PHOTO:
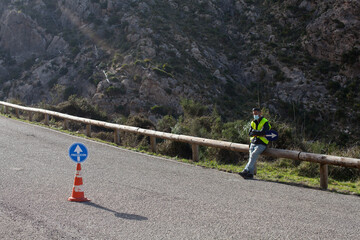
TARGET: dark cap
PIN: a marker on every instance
(256, 109)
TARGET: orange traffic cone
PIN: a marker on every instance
(77, 192)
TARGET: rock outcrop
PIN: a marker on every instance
(334, 32)
(21, 36)
(137, 56)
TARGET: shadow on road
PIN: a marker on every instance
(117, 214)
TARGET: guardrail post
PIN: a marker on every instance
(195, 152)
(324, 170)
(153, 143)
(88, 130)
(66, 124)
(116, 136)
(17, 113)
(46, 119)
(6, 109)
(30, 116)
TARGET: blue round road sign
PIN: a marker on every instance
(271, 135)
(78, 152)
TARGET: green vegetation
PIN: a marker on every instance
(162, 72)
(80, 107)
(200, 121)
(113, 91)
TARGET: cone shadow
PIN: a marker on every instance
(126, 216)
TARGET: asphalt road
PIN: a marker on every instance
(135, 196)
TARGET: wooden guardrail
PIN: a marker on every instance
(195, 142)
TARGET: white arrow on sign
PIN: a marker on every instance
(272, 135)
(78, 151)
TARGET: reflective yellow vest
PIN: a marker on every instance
(259, 127)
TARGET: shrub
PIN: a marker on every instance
(70, 91)
(333, 86)
(140, 121)
(309, 169)
(63, 71)
(159, 110)
(122, 110)
(162, 72)
(52, 82)
(223, 156)
(113, 91)
(280, 76)
(343, 174)
(286, 139)
(106, 136)
(175, 149)
(81, 107)
(192, 108)
(166, 124)
(75, 126)
(136, 140)
(28, 63)
(237, 131)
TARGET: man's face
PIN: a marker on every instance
(257, 113)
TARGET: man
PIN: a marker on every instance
(258, 142)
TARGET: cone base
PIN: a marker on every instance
(72, 199)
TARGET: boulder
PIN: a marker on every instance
(57, 46)
(21, 36)
(331, 35)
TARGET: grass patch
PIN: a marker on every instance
(273, 173)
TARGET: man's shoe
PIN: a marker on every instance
(246, 175)
(249, 176)
(243, 173)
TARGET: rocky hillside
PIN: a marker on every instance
(297, 58)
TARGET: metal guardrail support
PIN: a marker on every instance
(195, 142)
